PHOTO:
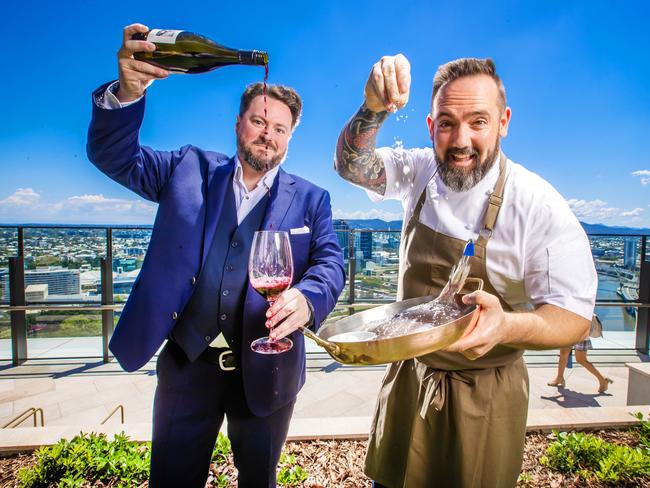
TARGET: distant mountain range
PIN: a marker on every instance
(374, 224)
(606, 229)
(378, 224)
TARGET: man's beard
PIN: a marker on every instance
(463, 179)
(259, 164)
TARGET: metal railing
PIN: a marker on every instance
(357, 243)
(119, 408)
(19, 419)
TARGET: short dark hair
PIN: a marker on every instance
(467, 67)
(284, 94)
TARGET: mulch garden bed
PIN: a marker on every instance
(339, 464)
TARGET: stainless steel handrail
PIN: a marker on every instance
(30, 412)
(121, 409)
(17, 308)
(623, 304)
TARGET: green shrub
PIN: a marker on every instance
(290, 473)
(623, 463)
(591, 457)
(92, 458)
(88, 458)
(221, 450)
(644, 430)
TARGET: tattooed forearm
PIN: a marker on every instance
(356, 159)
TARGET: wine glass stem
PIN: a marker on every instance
(271, 302)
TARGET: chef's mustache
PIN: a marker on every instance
(462, 152)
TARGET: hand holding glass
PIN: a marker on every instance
(270, 271)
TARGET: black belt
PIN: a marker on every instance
(222, 356)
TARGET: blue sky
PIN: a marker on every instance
(576, 75)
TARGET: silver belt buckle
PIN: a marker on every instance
(222, 363)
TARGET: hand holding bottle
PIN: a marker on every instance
(389, 83)
(135, 76)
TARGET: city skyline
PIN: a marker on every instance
(576, 78)
(63, 265)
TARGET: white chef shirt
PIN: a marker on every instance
(245, 200)
(538, 252)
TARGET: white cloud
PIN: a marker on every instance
(26, 205)
(367, 214)
(644, 174)
(632, 213)
(599, 212)
(594, 210)
(22, 196)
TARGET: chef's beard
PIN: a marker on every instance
(462, 179)
(259, 164)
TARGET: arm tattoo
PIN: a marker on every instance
(356, 159)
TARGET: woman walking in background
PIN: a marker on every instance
(581, 349)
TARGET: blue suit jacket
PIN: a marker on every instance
(189, 185)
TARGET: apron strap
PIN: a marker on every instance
(415, 216)
(494, 205)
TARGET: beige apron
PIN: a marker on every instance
(442, 419)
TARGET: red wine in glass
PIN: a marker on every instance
(270, 271)
(270, 288)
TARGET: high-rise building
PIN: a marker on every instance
(59, 281)
(4, 285)
(342, 229)
(629, 253)
(365, 244)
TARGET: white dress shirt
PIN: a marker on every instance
(245, 200)
(538, 252)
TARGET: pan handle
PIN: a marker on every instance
(329, 346)
(477, 281)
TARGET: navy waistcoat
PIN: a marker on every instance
(218, 299)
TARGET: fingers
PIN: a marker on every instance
(281, 302)
(375, 93)
(287, 327)
(284, 306)
(389, 84)
(488, 330)
(391, 91)
(475, 344)
(481, 298)
(130, 45)
(287, 314)
(129, 30)
(403, 75)
(143, 71)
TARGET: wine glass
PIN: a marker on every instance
(270, 270)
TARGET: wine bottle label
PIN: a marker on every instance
(163, 36)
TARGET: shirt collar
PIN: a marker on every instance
(266, 180)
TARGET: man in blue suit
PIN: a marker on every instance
(193, 289)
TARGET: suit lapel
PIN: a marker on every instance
(280, 201)
(218, 179)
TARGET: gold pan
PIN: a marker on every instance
(391, 349)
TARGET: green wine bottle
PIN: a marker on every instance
(185, 52)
